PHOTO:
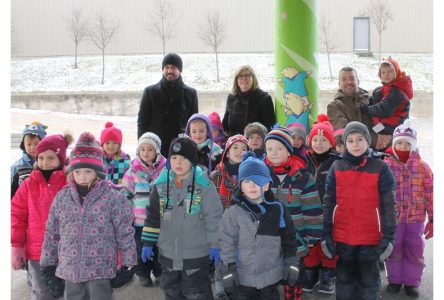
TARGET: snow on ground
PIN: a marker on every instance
(134, 72)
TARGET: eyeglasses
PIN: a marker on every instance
(244, 76)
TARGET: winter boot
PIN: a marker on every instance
(411, 291)
(311, 279)
(394, 288)
(327, 282)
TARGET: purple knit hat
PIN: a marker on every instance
(200, 117)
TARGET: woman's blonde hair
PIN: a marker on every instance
(244, 69)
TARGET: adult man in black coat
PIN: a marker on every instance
(167, 105)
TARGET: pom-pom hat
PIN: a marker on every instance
(407, 132)
(323, 127)
(110, 133)
(57, 143)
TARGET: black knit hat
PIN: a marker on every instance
(184, 146)
(172, 59)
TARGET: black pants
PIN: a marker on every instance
(189, 284)
(251, 293)
(357, 272)
(144, 269)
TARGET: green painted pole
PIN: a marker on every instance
(295, 55)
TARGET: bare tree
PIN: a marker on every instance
(212, 33)
(14, 39)
(328, 39)
(380, 13)
(77, 26)
(161, 22)
(101, 33)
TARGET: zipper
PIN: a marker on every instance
(379, 222)
(334, 211)
(80, 243)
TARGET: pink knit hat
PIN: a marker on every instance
(57, 143)
(111, 133)
(215, 121)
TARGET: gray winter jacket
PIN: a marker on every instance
(182, 233)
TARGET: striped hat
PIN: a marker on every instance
(282, 135)
(234, 139)
(87, 154)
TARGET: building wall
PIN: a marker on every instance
(38, 27)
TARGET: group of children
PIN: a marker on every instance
(305, 210)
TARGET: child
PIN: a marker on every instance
(137, 184)
(295, 188)
(217, 129)
(391, 101)
(20, 170)
(320, 158)
(259, 229)
(414, 197)
(30, 208)
(340, 146)
(255, 133)
(224, 178)
(88, 221)
(298, 135)
(209, 153)
(359, 216)
(116, 162)
(182, 220)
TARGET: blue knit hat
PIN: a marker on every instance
(203, 118)
(254, 169)
(36, 128)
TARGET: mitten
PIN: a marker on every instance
(147, 253)
(215, 255)
(230, 277)
(328, 247)
(54, 283)
(123, 276)
(428, 230)
(291, 270)
(385, 248)
(18, 257)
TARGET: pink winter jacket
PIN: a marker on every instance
(29, 211)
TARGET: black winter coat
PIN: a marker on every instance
(244, 108)
(165, 109)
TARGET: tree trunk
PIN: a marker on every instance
(217, 66)
(75, 57)
(163, 47)
(380, 35)
(329, 65)
(103, 66)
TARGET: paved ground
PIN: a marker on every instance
(58, 122)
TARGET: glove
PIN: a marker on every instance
(291, 270)
(18, 258)
(364, 108)
(385, 248)
(428, 230)
(230, 277)
(54, 283)
(147, 253)
(328, 247)
(215, 255)
(123, 276)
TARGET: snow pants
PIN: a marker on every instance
(91, 290)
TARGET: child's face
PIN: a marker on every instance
(402, 145)
(235, 152)
(356, 144)
(387, 74)
(84, 176)
(320, 144)
(340, 148)
(255, 141)
(180, 166)
(298, 141)
(111, 148)
(215, 132)
(276, 152)
(48, 160)
(30, 141)
(147, 153)
(253, 191)
(198, 131)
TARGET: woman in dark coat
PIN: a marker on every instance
(247, 103)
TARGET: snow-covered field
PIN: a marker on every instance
(134, 72)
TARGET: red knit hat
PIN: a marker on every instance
(233, 139)
(87, 154)
(57, 143)
(111, 133)
(323, 127)
(215, 121)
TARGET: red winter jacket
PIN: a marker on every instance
(29, 211)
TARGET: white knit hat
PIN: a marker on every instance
(149, 138)
(407, 132)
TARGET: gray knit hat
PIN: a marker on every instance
(149, 138)
(356, 126)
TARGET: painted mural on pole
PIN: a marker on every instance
(296, 52)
